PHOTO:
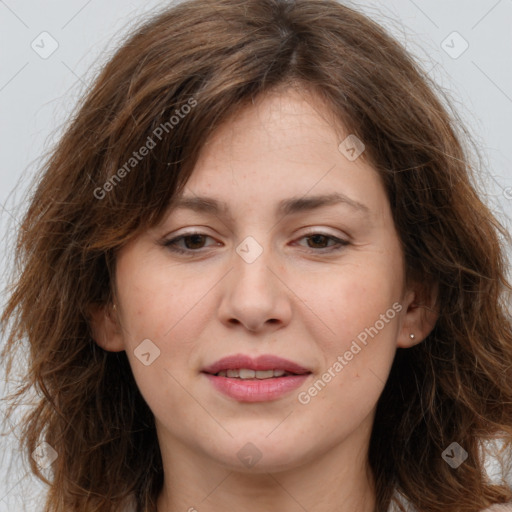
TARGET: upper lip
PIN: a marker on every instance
(263, 362)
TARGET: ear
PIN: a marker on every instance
(105, 327)
(422, 312)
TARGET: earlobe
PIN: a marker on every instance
(104, 323)
(420, 318)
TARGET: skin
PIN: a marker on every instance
(297, 300)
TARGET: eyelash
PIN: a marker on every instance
(171, 244)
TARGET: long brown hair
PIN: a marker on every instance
(215, 57)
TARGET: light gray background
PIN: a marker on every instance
(37, 95)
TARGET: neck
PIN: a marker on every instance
(337, 481)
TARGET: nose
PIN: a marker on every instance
(253, 295)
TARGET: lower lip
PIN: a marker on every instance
(255, 390)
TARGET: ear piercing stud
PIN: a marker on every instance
(412, 336)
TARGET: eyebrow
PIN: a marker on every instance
(289, 206)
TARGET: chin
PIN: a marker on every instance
(259, 453)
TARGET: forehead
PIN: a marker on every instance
(283, 151)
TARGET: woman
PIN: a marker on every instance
(256, 274)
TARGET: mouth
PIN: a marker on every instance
(246, 367)
(248, 374)
(265, 378)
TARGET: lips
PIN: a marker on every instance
(261, 379)
(264, 363)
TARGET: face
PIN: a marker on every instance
(294, 255)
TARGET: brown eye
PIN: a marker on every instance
(187, 243)
(194, 241)
(319, 241)
(322, 241)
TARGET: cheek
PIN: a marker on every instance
(354, 296)
(158, 299)
(356, 365)
(162, 318)
(362, 311)
(162, 321)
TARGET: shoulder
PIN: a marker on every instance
(504, 507)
